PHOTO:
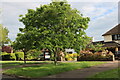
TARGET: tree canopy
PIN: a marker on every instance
(53, 26)
(3, 35)
(97, 47)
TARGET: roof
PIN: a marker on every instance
(108, 44)
(115, 30)
(94, 43)
(111, 44)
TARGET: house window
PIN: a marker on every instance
(116, 37)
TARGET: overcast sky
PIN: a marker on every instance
(103, 14)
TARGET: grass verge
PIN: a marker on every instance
(113, 74)
(8, 64)
(38, 71)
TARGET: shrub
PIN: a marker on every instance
(8, 56)
(71, 57)
(96, 47)
(19, 55)
(3, 53)
(97, 56)
(5, 56)
(12, 56)
(33, 54)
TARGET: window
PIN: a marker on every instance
(116, 37)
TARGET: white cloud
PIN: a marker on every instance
(101, 22)
(88, 8)
(103, 16)
(11, 12)
(101, 25)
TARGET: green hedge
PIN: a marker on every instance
(8, 56)
(31, 55)
(19, 55)
(12, 56)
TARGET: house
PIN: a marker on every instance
(7, 49)
(112, 39)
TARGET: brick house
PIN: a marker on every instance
(7, 49)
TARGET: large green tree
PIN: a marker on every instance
(56, 26)
(4, 35)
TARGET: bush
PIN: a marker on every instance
(19, 55)
(5, 56)
(8, 56)
(12, 56)
(33, 54)
(71, 57)
(97, 56)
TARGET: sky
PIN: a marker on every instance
(103, 14)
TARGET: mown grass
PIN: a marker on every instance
(49, 69)
(15, 63)
(113, 74)
(4, 62)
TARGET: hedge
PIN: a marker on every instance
(8, 56)
(89, 56)
(12, 56)
(19, 55)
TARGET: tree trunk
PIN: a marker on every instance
(55, 55)
(24, 57)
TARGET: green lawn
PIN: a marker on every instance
(15, 63)
(3, 62)
(114, 73)
(49, 69)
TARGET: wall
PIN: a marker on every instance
(107, 38)
(118, 41)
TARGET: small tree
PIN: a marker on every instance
(24, 42)
(4, 35)
(33, 54)
(57, 26)
(97, 47)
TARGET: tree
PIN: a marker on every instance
(97, 47)
(25, 42)
(4, 35)
(33, 54)
(57, 27)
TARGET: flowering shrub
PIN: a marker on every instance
(71, 57)
(97, 56)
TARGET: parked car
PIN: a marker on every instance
(70, 51)
(45, 56)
